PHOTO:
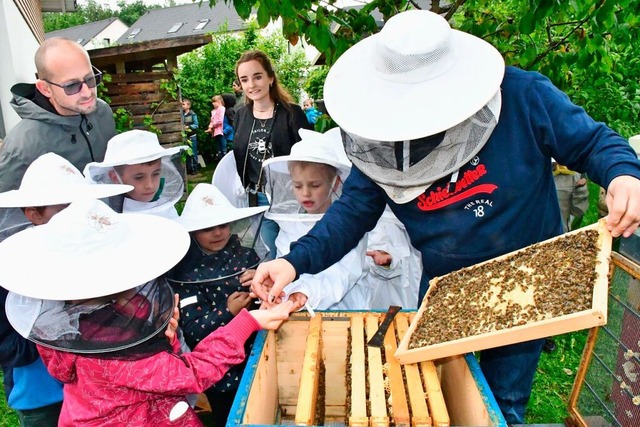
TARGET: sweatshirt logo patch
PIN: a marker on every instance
(442, 196)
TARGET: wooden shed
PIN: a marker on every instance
(138, 71)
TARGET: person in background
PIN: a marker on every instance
(190, 120)
(310, 111)
(302, 186)
(137, 376)
(216, 126)
(467, 186)
(394, 266)
(239, 94)
(573, 194)
(229, 116)
(61, 113)
(266, 126)
(49, 184)
(136, 157)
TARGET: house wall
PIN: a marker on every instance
(113, 32)
(17, 49)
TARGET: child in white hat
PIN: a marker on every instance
(302, 186)
(213, 278)
(92, 255)
(49, 184)
(136, 157)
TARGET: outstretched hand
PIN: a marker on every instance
(172, 326)
(623, 203)
(271, 278)
(272, 317)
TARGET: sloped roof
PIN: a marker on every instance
(82, 33)
(182, 21)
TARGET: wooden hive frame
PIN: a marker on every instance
(284, 383)
(595, 316)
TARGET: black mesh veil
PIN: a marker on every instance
(127, 325)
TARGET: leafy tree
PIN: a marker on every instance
(588, 48)
(314, 84)
(210, 70)
(128, 12)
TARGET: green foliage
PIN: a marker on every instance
(8, 417)
(123, 119)
(589, 49)
(554, 379)
(210, 70)
(314, 85)
(128, 12)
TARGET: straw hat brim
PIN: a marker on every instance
(364, 103)
(141, 254)
(44, 196)
(223, 215)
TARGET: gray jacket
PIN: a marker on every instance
(80, 139)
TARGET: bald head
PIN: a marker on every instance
(55, 52)
(60, 63)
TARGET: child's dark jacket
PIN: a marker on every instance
(203, 306)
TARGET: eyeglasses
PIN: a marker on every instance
(75, 87)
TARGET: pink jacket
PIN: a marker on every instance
(103, 392)
(217, 120)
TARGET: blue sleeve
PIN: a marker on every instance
(15, 350)
(574, 139)
(342, 226)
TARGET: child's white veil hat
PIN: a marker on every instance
(130, 148)
(53, 180)
(88, 250)
(207, 207)
(314, 147)
(135, 147)
(440, 77)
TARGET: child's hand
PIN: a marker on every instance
(272, 317)
(246, 277)
(237, 301)
(172, 327)
(299, 300)
(380, 257)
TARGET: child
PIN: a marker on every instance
(303, 186)
(136, 157)
(312, 112)
(228, 130)
(90, 251)
(49, 184)
(190, 121)
(216, 125)
(394, 266)
(212, 279)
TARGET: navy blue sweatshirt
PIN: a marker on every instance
(504, 198)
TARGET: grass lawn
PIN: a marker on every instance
(8, 417)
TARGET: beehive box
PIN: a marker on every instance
(320, 371)
(550, 288)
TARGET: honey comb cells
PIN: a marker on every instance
(543, 281)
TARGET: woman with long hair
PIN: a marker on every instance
(266, 126)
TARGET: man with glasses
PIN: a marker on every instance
(60, 113)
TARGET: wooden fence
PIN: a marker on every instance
(142, 96)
